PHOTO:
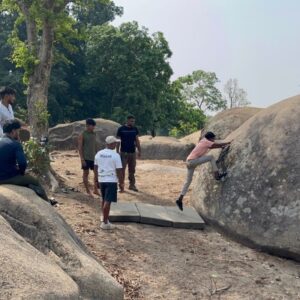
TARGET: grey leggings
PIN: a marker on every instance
(191, 166)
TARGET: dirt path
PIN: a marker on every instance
(166, 263)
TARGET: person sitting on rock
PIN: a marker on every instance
(108, 170)
(13, 161)
(87, 152)
(197, 157)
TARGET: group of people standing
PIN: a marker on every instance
(108, 165)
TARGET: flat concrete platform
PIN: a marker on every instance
(166, 216)
(124, 212)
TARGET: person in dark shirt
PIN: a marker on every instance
(129, 136)
(13, 161)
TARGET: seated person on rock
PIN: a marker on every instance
(13, 161)
(197, 157)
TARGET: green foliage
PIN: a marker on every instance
(37, 156)
(199, 89)
(191, 119)
(127, 68)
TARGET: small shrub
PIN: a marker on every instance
(37, 156)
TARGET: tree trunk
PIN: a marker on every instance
(37, 97)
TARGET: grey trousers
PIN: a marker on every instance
(191, 166)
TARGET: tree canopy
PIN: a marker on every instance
(94, 69)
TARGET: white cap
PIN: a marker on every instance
(111, 139)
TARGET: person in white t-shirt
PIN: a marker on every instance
(7, 98)
(108, 170)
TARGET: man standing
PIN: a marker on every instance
(87, 150)
(7, 97)
(13, 161)
(197, 157)
(108, 169)
(129, 136)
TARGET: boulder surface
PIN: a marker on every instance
(50, 236)
(162, 147)
(26, 273)
(65, 136)
(259, 201)
(225, 122)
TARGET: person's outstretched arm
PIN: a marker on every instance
(219, 145)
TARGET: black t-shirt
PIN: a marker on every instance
(128, 137)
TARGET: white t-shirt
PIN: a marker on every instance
(6, 113)
(108, 161)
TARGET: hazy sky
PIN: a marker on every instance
(255, 41)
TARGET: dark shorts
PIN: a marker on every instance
(89, 164)
(109, 191)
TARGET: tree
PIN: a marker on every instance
(48, 22)
(127, 71)
(234, 95)
(199, 89)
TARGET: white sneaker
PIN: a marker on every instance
(107, 226)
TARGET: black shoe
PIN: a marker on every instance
(133, 188)
(179, 204)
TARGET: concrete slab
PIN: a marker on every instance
(188, 218)
(124, 212)
(154, 215)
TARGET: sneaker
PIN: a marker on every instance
(133, 188)
(107, 226)
(179, 204)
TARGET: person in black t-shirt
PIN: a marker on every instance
(129, 136)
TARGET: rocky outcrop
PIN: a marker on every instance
(259, 202)
(164, 148)
(229, 120)
(192, 138)
(26, 273)
(73, 271)
(65, 136)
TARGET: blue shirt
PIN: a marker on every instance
(128, 137)
(12, 158)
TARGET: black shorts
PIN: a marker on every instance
(109, 191)
(89, 164)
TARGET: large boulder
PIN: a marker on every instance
(65, 136)
(41, 226)
(259, 202)
(225, 122)
(192, 138)
(26, 273)
(162, 147)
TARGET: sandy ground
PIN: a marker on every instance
(166, 263)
